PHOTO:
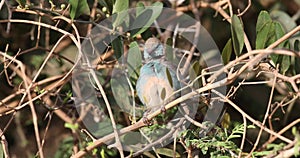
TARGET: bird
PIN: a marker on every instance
(157, 81)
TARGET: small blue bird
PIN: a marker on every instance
(158, 79)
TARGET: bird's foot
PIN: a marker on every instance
(163, 110)
(145, 118)
(147, 121)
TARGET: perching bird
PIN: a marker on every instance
(158, 79)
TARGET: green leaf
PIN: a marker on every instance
(226, 121)
(128, 138)
(141, 22)
(117, 45)
(251, 126)
(287, 23)
(71, 126)
(120, 87)
(261, 153)
(294, 131)
(21, 3)
(104, 128)
(63, 150)
(78, 7)
(163, 94)
(120, 8)
(102, 153)
(170, 56)
(139, 8)
(120, 5)
(296, 151)
(233, 136)
(237, 33)
(134, 59)
(119, 18)
(263, 28)
(167, 152)
(285, 64)
(262, 20)
(297, 45)
(1, 151)
(204, 150)
(169, 77)
(284, 19)
(144, 20)
(297, 58)
(275, 33)
(279, 32)
(227, 51)
(194, 71)
(262, 36)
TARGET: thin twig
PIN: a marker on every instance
(273, 138)
(288, 152)
(99, 86)
(192, 50)
(265, 117)
(92, 16)
(246, 9)
(4, 144)
(257, 123)
(244, 136)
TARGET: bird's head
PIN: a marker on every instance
(153, 49)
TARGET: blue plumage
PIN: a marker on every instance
(157, 80)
